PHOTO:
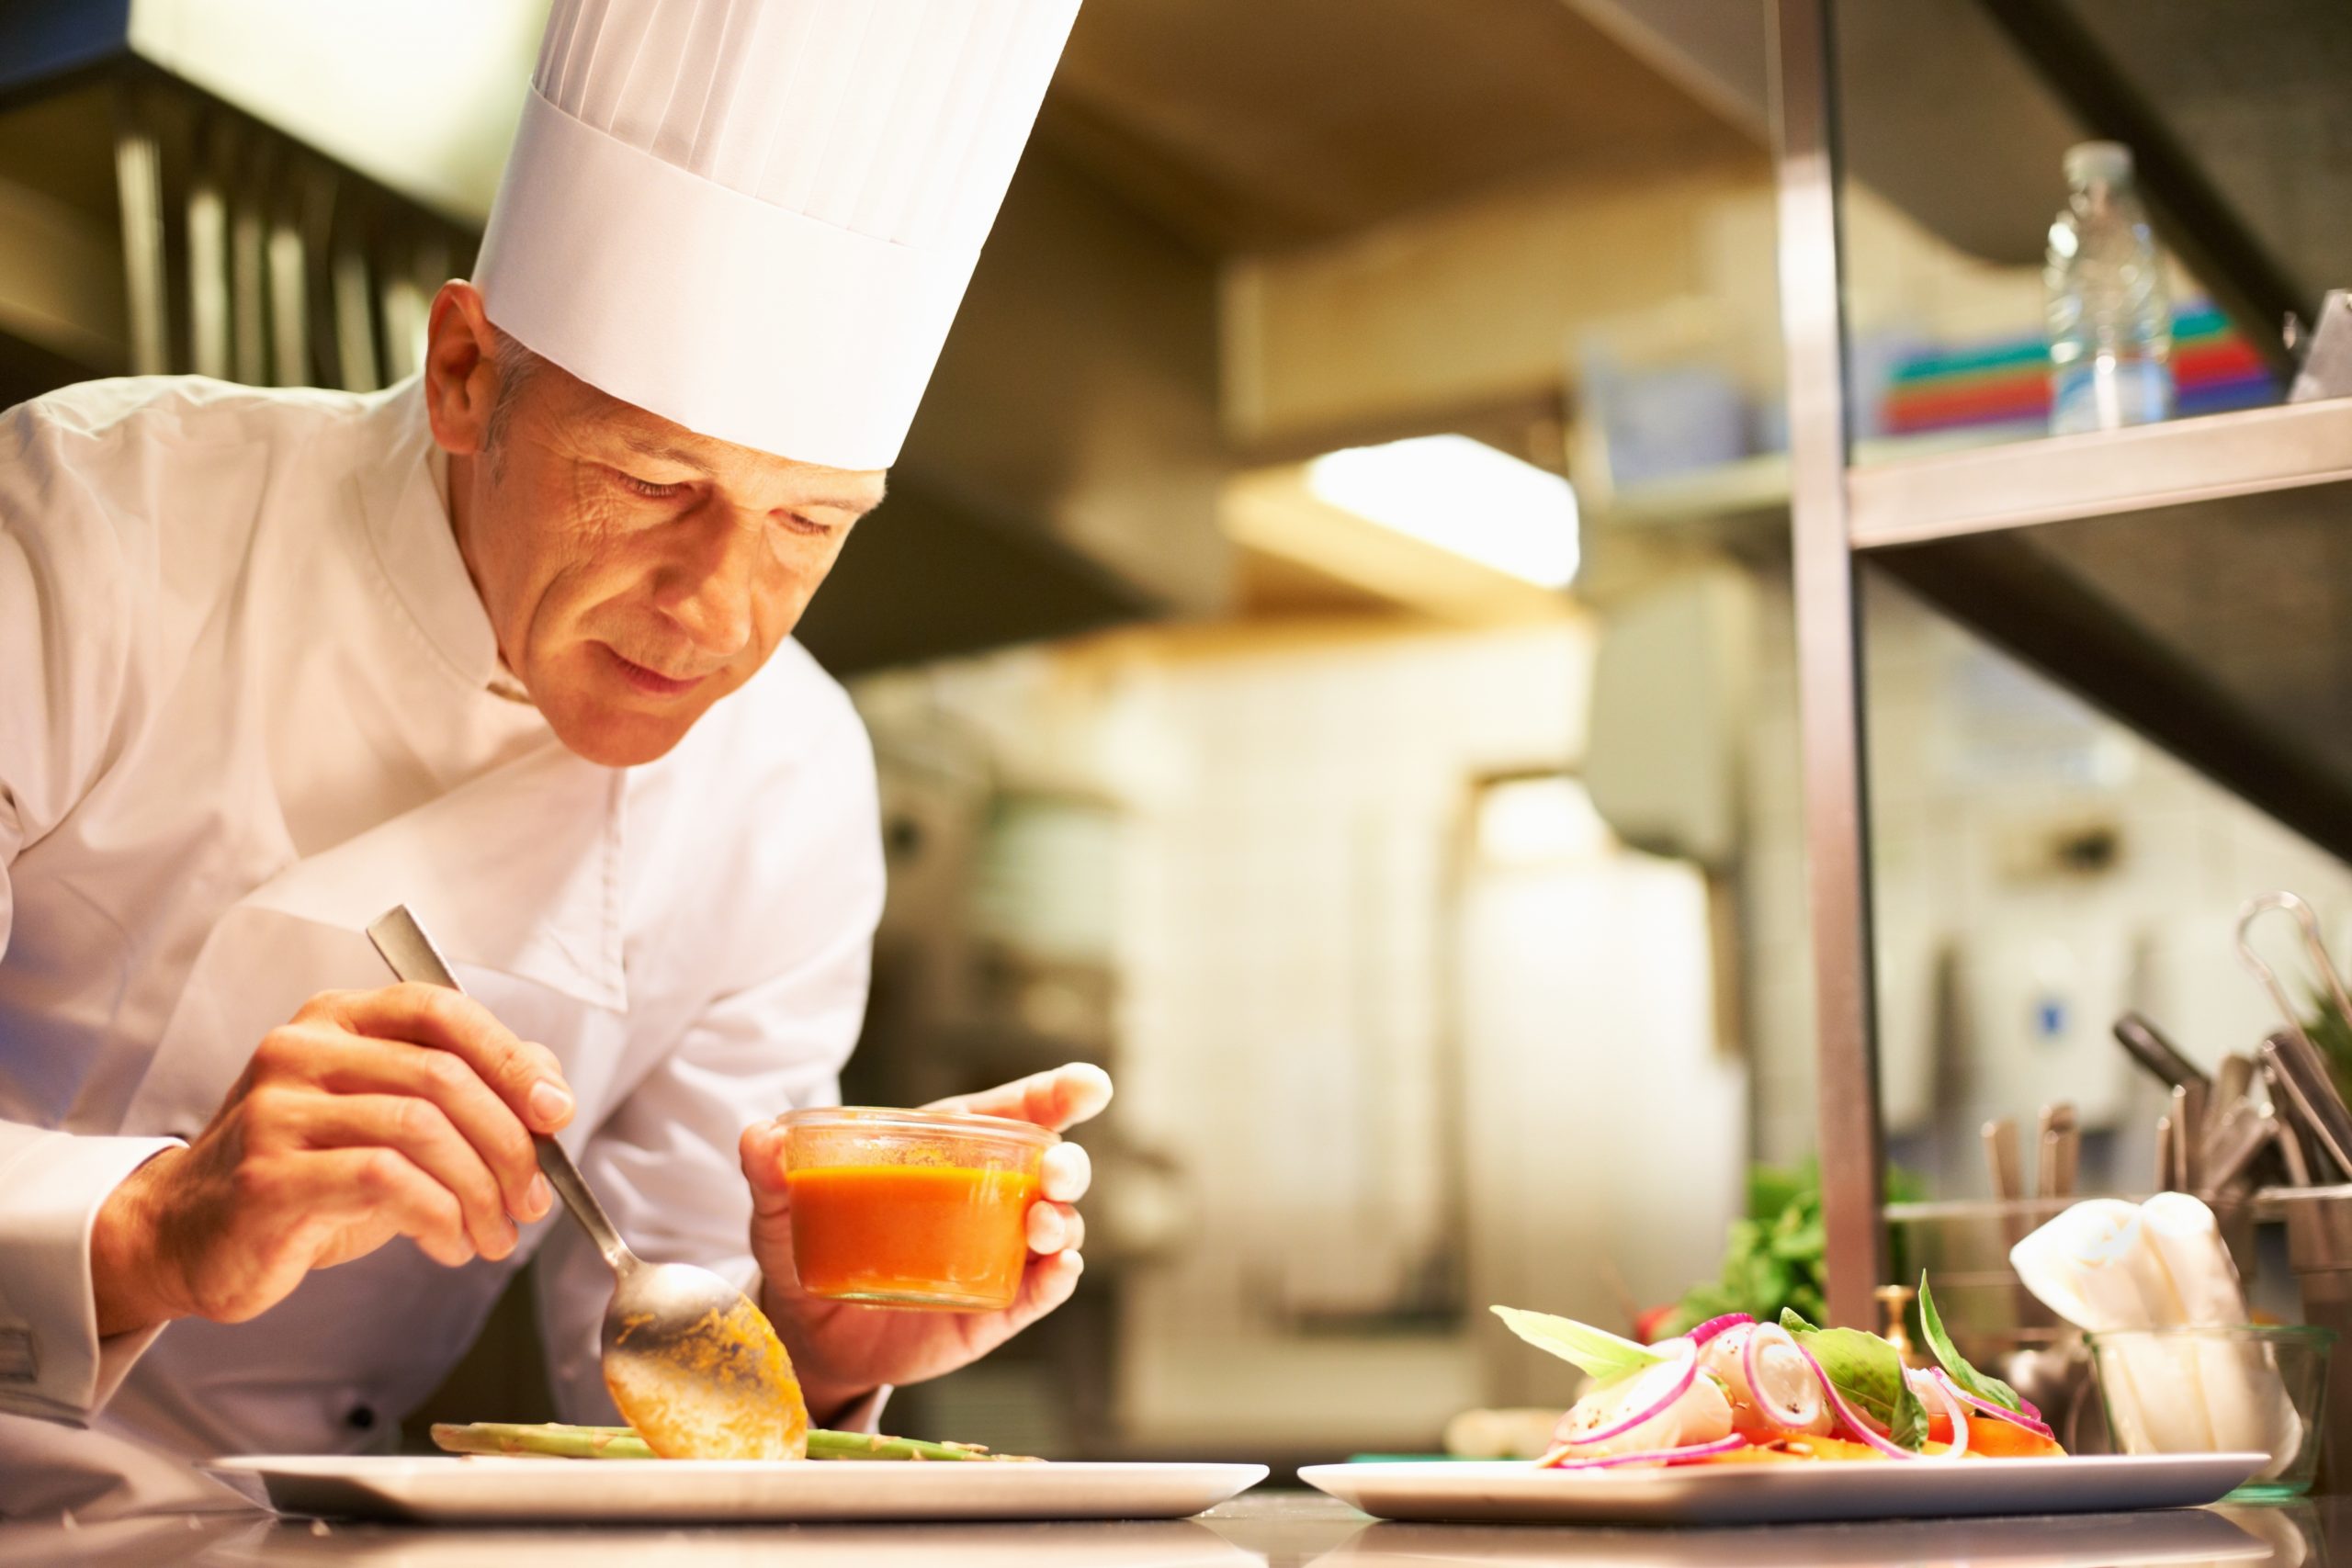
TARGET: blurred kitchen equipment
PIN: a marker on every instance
(2326, 348)
(2058, 1151)
(692, 1363)
(2003, 1160)
(2148, 1048)
(2317, 1112)
(2168, 1152)
(2232, 1079)
(2235, 1139)
(2188, 1136)
(2319, 1253)
(2270, 1362)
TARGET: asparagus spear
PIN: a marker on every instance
(560, 1442)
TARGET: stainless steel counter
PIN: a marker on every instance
(1276, 1529)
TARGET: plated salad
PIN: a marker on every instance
(1737, 1391)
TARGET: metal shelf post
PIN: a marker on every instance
(1828, 656)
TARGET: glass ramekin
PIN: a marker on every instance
(923, 1209)
(2208, 1390)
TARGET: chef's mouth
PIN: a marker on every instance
(652, 683)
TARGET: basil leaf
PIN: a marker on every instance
(1867, 1375)
(1956, 1365)
(1598, 1352)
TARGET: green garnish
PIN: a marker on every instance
(1868, 1374)
(1955, 1365)
(1598, 1353)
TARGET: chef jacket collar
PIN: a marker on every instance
(404, 497)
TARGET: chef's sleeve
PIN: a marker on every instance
(665, 1162)
(59, 686)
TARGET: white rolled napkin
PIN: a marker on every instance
(2106, 1264)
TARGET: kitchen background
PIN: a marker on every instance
(1425, 862)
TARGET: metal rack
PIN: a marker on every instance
(2010, 539)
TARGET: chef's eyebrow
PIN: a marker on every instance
(653, 446)
(646, 446)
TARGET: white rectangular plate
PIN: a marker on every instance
(477, 1489)
(1776, 1494)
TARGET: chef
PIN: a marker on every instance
(510, 644)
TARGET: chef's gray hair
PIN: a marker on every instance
(515, 366)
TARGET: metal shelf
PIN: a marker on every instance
(2145, 469)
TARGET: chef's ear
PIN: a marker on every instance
(461, 369)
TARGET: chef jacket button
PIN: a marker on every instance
(362, 1417)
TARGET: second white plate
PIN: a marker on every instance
(485, 1489)
(1775, 1493)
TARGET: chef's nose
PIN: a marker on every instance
(708, 588)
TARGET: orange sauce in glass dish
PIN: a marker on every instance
(932, 1235)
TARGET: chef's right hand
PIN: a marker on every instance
(403, 1112)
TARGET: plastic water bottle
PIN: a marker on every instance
(2111, 315)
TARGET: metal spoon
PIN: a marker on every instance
(693, 1364)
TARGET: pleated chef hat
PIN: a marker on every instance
(756, 218)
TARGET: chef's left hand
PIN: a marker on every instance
(842, 1350)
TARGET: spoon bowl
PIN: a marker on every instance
(694, 1366)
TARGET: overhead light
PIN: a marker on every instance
(1461, 495)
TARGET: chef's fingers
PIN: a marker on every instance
(341, 1063)
(761, 1149)
(1057, 1098)
(1068, 1172)
(1046, 1284)
(1055, 1227)
(527, 1076)
(419, 1130)
(383, 1183)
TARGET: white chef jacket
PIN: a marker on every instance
(249, 700)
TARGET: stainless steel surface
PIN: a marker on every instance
(2147, 1046)
(2109, 472)
(689, 1359)
(1828, 666)
(1270, 1528)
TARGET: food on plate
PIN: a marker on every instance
(1738, 1391)
(555, 1440)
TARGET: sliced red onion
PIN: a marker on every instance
(1687, 1358)
(1935, 1383)
(1789, 1416)
(1862, 1428)
(2032, 1423)
(1716, 1326)
(1558, 1459)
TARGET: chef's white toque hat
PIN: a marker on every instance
(756, 218)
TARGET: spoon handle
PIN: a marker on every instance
(412, 956)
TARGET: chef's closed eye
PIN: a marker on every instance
(651, 490)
